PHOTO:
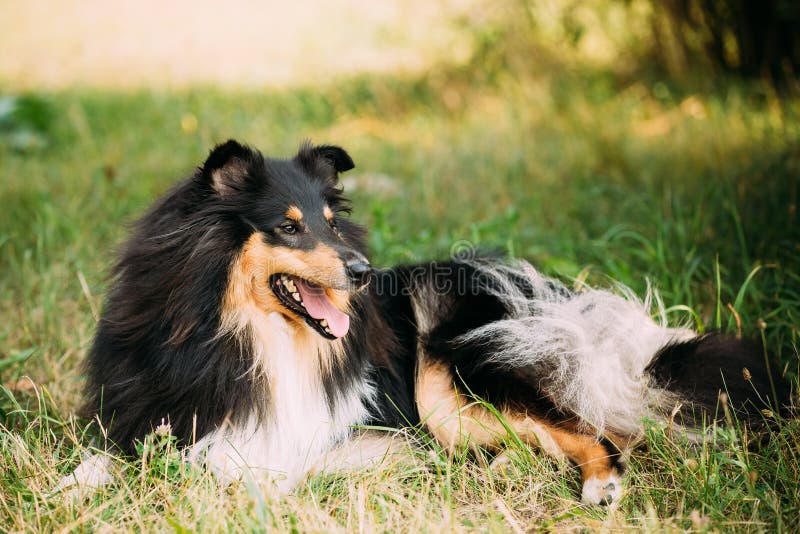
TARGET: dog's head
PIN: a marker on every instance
(300, 255)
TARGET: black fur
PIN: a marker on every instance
(704, 367)
(462, 304)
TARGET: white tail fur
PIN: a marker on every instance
(590, 348)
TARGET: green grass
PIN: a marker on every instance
(588, 176)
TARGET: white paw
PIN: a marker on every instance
(603, 491)
(92, 473)
(501, 463)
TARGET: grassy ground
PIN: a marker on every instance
(588, 176)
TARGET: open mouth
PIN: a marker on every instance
(309, 301)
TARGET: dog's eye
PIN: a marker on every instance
(289, 228)
(333, 224)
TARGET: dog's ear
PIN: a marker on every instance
(312, 158)
(337, 156)
(226, 168)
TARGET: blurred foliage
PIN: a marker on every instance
(24, 122)
(752, 39)
(679, 39)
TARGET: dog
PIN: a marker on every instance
(244, 314)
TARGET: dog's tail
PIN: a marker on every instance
(712, 373)
(601, 356)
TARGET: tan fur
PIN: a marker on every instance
(327, 212)
(453, 421)
(248, 280)
(586, 451)
(294, 213)
(249, 276)
(456, 422)
(249, 299)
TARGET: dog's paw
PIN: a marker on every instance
(92, 473)
(603, 491)
(501, 463)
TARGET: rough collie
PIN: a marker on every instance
(245, 314)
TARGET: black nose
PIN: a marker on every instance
(358, 269)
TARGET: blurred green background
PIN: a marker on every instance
(636, 140)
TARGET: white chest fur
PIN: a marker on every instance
(300, 425)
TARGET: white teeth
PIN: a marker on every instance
(324, 323)
(327, 330)
(288, 283)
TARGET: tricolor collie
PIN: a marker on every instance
(245, 314)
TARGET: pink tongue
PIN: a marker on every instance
(320, 307)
